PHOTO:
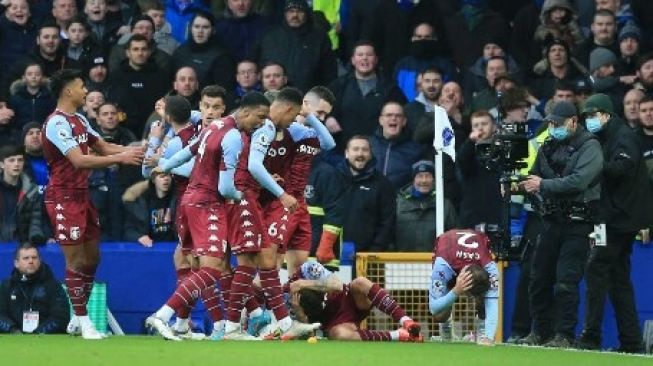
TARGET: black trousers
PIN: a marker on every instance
(521, 316)
(557, 269)
(608, 273)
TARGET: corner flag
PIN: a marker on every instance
(444, 140)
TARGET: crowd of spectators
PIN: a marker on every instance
(388, 63)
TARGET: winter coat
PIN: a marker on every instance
(475, 80)
(239, 35)
(416, 220)
(358, 114)
(39, 292)
(368, 209)
(523, 49)
(543, 83)
(27, 225)
(395, 158)
(136, 91)
(626, 197)
(141, 215)
(164, 40)
(15, 42)
(210, 61)
(569, 31)
(109, 37)
(28, 107)
(409, 67)
(305, 53)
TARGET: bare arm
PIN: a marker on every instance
(330, 284)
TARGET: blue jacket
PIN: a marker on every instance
(238, 35)
(179, 19)
(395, 158)
(409, 67)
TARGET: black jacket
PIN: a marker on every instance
(626, 199)
(28, 222)
(395, 158)
(31, 108)
(358, 114)
(481, 194)
(211, 62)
(368, 209)
(305, 53)
(146, 214)
(136, 91)
(323, 193)
(40, 292)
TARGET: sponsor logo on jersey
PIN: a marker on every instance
(75, 233)
(281, 151)
(310, 150)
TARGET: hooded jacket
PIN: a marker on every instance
(305, 53)
(15, 42)
(569, 31)
(146, 214)
(39, 292)
(29, 218)
(368, 208)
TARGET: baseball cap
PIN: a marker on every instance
(560, 112)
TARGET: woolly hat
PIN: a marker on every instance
(630, 30)
(601, 56)
(423, 166)
(598, 103)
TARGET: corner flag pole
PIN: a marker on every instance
(444, 141)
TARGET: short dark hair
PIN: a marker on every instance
(249, 61)
(646, 99)
(178, 108)
(324, 93)
(79, 20)
(147, 5)
(106, 102)
(203, 14)
(289, 95)
(496, 58)
(604, 13)
(50, 23)
(273, 63)
(214, 91)
(138, 38)
(513, 98)
(563, 85)
(24, 246)
(61, 78)
(363, 42)
(30, 64)
(480, 280)
(432, 69)
(11, 150)
(311, 302)
(481, 114)
(641, 60)
(254, 100)
(358, 137)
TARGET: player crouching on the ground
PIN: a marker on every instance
(464, 256)
(318, 295)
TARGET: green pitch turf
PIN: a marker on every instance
(153, 351)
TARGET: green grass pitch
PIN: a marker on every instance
(152, 351)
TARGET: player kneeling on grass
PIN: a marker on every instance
(464, 256)
(318, 295)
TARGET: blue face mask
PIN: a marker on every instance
(559, 133)
(593, 124)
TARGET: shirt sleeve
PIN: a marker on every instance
(261, 139)
(312, 270)
(326, 140)
(232, 146)
(59, 132)
(440, 298)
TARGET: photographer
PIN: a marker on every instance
(565, 179)
(625, 200)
